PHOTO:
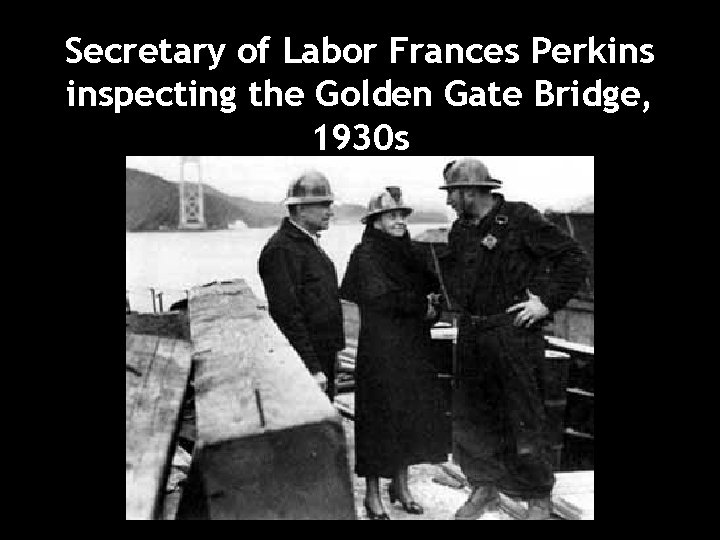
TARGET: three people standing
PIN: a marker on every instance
(507, 269)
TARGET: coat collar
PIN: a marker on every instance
(314, 237)
(292, 230)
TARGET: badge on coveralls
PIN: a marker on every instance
(489, 241)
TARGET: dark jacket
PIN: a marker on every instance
(302, 291)
(530, 252)
(398, 413)
(501, 434)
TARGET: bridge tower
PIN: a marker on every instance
(192, 205)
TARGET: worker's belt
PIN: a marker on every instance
(486, 322)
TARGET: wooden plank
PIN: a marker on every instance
(270, 445)
(345, 404)
(556, 355)
(443, 331)
(153, 402)
(569, 346)
(580, 434)
(346, 411)
(139, 354)
(348, 356)
(581, 392)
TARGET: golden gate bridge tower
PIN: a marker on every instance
(192, 205)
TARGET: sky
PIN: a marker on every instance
(543, 181)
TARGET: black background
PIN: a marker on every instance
(632, 162)
(439, 129)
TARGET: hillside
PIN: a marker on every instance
(263, 214)
(584, 205)
(152, 203)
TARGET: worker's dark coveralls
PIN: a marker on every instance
(499, 436)
(302, 291)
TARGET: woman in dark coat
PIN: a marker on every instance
(397, 401)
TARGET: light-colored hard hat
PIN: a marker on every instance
(468, 172)
(386, 201)
(310, 187)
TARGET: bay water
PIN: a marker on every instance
(175, 261)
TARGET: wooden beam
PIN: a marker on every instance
(569, 346)
(581, 392)
(156, 376)
(270, 445)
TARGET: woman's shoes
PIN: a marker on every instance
(410, 507)
(373, 516)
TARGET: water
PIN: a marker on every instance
(174, 261)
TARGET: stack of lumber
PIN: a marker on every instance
(156, 377)
(270, 445)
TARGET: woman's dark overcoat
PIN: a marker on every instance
(398, 402)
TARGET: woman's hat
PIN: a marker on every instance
(386, 201)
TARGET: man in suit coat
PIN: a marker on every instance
(301, 282)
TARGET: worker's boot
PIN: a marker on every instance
(539, 509)
(482, 499)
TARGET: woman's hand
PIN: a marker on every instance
(321, 380)
(432, 306)
(434, 299)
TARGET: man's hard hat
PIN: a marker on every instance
(386, 201)
(310, 187)
(468, 172)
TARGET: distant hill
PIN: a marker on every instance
(152, 203)
(253, 213)
(585, 205)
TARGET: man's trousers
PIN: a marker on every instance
(499, 422)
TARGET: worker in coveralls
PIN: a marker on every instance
(300, 280)
(508, 269)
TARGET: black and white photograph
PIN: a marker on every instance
(372, 337)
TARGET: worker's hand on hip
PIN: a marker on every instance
(530, 311)
(321, 380)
